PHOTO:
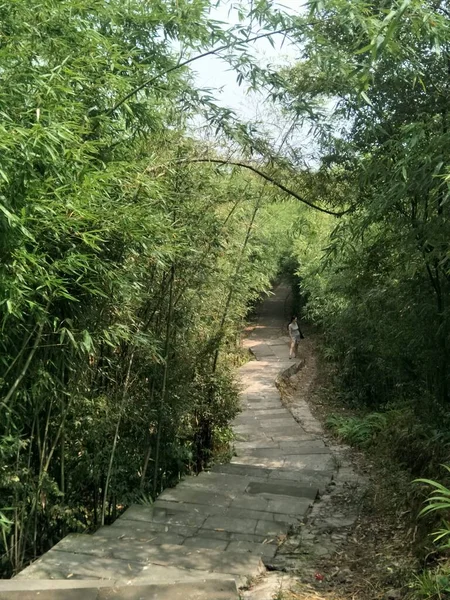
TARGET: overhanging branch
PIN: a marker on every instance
(191, 60)
(267, 178)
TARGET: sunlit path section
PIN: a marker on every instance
(204, 538)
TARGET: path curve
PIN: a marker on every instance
(211, 532)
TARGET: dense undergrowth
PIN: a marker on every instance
(407, 492)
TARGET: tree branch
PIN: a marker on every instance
(190, 60)
(269, 179)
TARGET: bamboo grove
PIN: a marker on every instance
(124, 283)
(131, 249)
(382, 286)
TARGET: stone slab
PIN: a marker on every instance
(216, 480)
(294, 442)
(28, 585)
(160, 574)
(166, 555)
(262, 401)
(133, 549)
(264, 443)
(142, 529)
(283, 489)
(255, 461)
(304, 476)
(204, 560)
(256, 503)
(252, 436)
(312, 462)
(244, 470)
(214, 589)
(259, 413)
(201, 590)
(105, 547)
(264, 550)
(235, 512)
(297, 436)
(73, 594)
(272, 529)
(287, 506)
(221, 534)
(63, 565)
(277, 423)
(232, 524)
(180, 494)
(301, 449)
(293, 431)
(205, 542)
(144, 513)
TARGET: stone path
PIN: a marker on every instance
(207, 536)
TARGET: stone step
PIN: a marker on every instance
(253, 486)
(273, 508)
(321, 461)
(142, 548)
(253, 494)
(301, 449)
(86, 556)
(202, 538)
(23, 589)
(316, 478)
(267, 507)
(207, 539)
(229, 522)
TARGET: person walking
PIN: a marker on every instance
(296, 335)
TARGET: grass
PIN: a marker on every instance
(432, 584)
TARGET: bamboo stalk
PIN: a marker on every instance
(116, 437)
(233, 281)
(149, 438)
(26, 366)
(164, 383)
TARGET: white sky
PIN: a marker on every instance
(214, 73)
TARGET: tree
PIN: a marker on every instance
(382, 71)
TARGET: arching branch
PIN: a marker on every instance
(267, 178)
(191, 60)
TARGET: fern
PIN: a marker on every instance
(358, 431)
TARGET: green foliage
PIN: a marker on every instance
(372, 83)
(438, 501)
(358, 431)
(432, 584)
(123, 286)
(381, 293)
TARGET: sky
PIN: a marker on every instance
(212, 72)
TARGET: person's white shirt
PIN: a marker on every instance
(294, 330)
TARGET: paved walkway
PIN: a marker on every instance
(210, 533)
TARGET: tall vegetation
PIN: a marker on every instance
(379, 72)
(123, 283)
(130, 252)
(374, 78)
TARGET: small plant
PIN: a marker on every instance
(144, 499)
(431, 585)
(437, 501)
(358, 431)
